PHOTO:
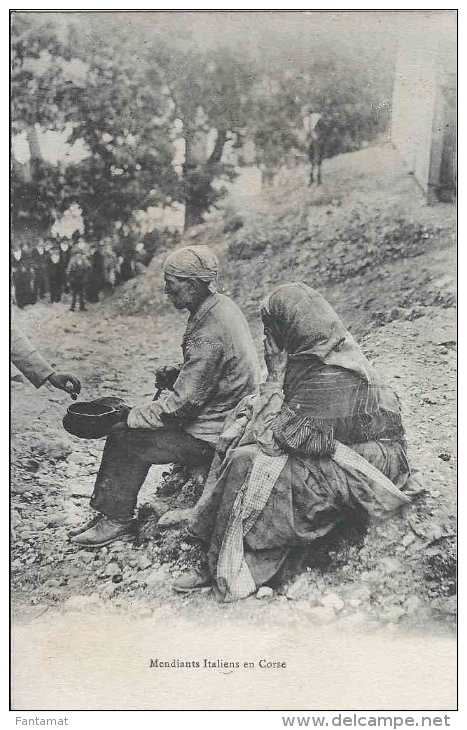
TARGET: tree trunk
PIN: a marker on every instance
(16, 167)
(198, 178)
(193, 214)
(34, 149)
(216, 154)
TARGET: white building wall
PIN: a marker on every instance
(426, 50)
(414, 100)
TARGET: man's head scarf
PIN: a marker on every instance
(193, 262)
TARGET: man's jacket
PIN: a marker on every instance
(220, 366)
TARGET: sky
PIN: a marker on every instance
(269, 28)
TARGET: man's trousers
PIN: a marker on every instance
(128, 455)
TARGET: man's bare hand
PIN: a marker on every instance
(64, 381)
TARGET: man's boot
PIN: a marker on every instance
(105, 531)
(193, 580)
(91, 522)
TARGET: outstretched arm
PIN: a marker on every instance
(31, 363)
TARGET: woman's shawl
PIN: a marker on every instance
(330, 388)
(310, 327)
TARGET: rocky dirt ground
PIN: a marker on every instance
(387, 263)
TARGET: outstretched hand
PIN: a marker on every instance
(276, 359)
(64, 381)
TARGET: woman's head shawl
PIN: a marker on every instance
(193, 262)
(310, 327)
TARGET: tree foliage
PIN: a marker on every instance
(119, 88)
(36, 74)
(113, 102)
(210, 92)
(123, 114)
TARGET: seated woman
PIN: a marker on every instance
(323, 435)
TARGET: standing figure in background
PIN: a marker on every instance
(39, 265)
(127, 266)
(317, 148)
(78, 274)
(65, 253)
(23, 279)
(267, 176)
(56, 276)
(96, 279)
(110, 268)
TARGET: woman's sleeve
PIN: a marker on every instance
(303, 434)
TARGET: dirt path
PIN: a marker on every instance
(53, 473)
(400, 574)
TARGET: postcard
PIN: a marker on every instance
(233, 339)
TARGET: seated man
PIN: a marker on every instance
(219, 368)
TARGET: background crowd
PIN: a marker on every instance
(57, 266)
